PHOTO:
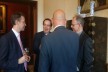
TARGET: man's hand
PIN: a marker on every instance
(28, 58)
(22, 59)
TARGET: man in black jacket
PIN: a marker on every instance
(47, 25)
(13, 58)
(85, 55)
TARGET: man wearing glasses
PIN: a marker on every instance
(85, 54)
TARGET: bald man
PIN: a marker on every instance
(59, 49)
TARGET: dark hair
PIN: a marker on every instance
(16, 16)
(80, 19)
(48, 20)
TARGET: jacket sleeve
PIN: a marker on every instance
(44, 61)
(88, 55)
(6, 62)
(36, 44)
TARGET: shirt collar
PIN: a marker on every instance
(79, 33)
(15, 32)
(57, 26)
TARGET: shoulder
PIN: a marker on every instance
(84, 36)
(39, 33)
(64, 33)
(71, 33)
(6, 37)
(10, 33)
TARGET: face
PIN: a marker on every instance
(46, 26)
(21, 23)
(75, 26)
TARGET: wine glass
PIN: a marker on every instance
(26, 51)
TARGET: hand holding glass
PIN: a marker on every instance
(26, 52)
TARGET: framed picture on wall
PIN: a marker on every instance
(99, 5)
(2, 19)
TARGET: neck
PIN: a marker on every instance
(46, 32)
(57, 26)
(16, 29)
(79, 32)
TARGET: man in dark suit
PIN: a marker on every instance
(12, 56)
(59, 49)
(85, 55)
(47, 25)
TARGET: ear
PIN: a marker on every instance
(16, 22)
(80, 25)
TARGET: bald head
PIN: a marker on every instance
(59, 18)
(59, 14)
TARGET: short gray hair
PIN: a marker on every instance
(79, 19)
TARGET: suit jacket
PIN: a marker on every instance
(59, 51)
(10, 52)
(37, 42)
(85, 56)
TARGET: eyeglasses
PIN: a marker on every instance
(74, 25)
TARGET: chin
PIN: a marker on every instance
(46, 31)
(23, 30)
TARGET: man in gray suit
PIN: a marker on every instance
(59, 49)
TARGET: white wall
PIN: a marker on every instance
(51, 5)
(102, 13)
(40, 15)
(69, 6)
